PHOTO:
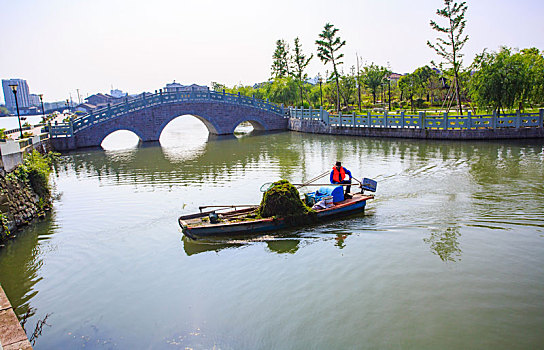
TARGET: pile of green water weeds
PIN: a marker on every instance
(282, 200)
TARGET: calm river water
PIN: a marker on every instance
(450, 254)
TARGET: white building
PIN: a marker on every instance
(23, 94)
(174, 87)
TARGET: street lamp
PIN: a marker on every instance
(389, 83)
(43, 109)
(319, 80)
(14, 89)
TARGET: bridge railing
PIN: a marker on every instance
(149, 100)
(421, 120)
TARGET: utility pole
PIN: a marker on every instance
(358, 81)
(78, 96)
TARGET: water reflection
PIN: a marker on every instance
(444, 242)
(21, 260)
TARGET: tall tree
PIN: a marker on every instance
(503, 79)
(327, 47)
(450, 48)
(281, 60)
(300, 62)
(373, 77)
(348, 85)
(406, 86)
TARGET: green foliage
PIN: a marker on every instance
(348, 86)
(450, 48)
(327, 47)
(4, 223)
(282, 200)
(504, 79)
(27, 134)
(3, 135)
(283, 90)
(300, 62)
(36, 170)
(281, 60)
(373, 77)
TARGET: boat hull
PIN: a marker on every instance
(259, 226)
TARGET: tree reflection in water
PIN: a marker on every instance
(445, 243)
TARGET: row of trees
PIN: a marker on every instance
(495, 80)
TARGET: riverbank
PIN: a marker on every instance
(12, 335)
(24, 194)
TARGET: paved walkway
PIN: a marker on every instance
(38, 130)
(12, 335)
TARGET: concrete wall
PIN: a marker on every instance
(318, 127)
(11, 152)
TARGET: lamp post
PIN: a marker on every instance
(319, 80)
(14, 89)
(43, 109)
(389, 84)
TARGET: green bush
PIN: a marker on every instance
(36, 170)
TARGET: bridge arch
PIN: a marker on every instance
(211, 125)
(107, 132)
(120, 140)
(148, 115)
(258, 125)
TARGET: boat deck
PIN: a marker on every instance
(248, 214)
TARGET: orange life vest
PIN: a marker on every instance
(338, 176)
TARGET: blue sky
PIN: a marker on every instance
(63, 45)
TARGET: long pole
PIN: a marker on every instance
(389, 83)
(43, 109)
(320, 93)
(18, 116)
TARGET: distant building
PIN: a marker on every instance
(100, 99)
(35, 100)
(177, 87)
(85, 107)
(23, 94)
(116, 93)
(394, 77)
(49, 106)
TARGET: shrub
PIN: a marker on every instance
(36, 170)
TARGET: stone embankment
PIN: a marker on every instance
(19, 204)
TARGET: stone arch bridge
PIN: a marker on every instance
(148, 115)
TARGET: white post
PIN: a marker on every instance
(469, 120)
(445, 126)
(421, 120)
(402, 119)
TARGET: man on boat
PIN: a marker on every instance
(338, 175)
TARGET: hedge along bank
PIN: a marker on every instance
(25, 193)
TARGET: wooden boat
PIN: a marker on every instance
(235, 222)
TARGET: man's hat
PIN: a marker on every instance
(338, 163)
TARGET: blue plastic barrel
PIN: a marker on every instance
(337, 192)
